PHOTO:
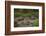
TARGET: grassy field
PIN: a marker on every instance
(22, 14)
(34, 13)
(35, 22)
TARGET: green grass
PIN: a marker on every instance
(36, 22)
(22, 14)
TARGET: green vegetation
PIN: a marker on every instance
(23, 14)
(33, 14)
(26, 12)
(36, 22)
